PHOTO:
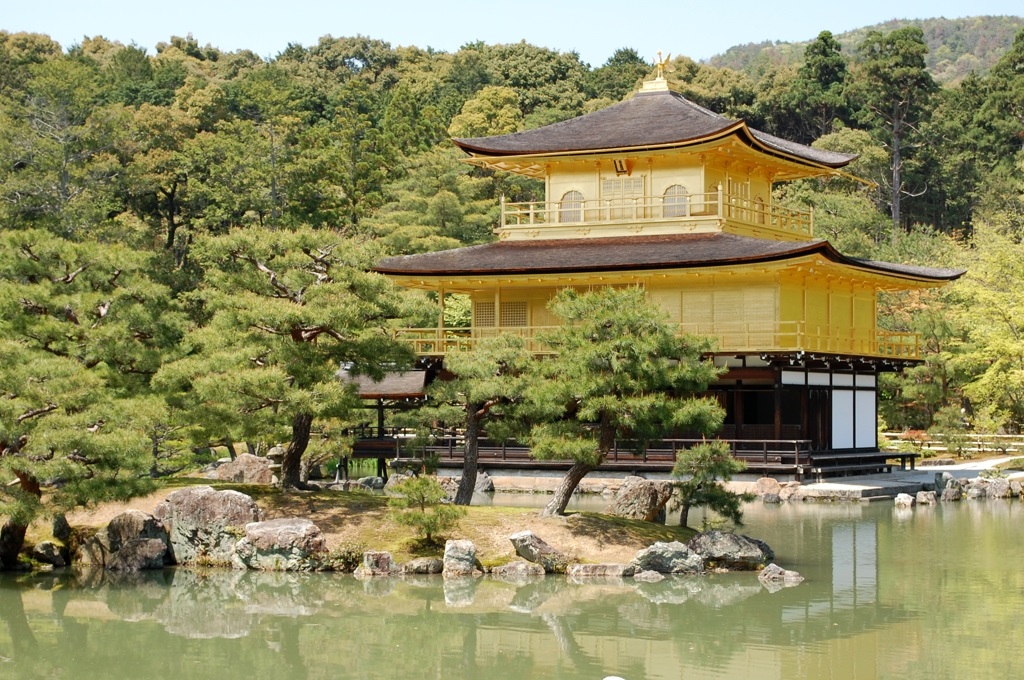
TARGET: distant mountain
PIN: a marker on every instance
(956, 47)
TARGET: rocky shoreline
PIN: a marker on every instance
(204, 527)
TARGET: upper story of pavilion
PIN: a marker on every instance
(653, 165)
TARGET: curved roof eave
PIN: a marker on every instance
(548, 257)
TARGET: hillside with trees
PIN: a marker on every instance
(185, 234)
(956, 47)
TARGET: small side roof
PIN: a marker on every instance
(397, 385)
(655, 119)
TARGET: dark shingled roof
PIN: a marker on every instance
(629, 253)
(650, 119)
(404, 385)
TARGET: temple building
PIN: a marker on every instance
(661, 193)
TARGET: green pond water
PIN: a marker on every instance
(933, 592)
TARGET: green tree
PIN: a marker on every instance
(485, 382)
(83, 328)
(287, 309)
(896, 90)
(494, 110)
(618, 371)
(701, 470)
(819, 91)
(618, 76)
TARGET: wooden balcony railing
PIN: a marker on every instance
(652, 209)
(785, 336)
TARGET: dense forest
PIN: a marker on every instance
(167, 217)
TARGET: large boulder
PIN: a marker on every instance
(246, 469)
(287, 544)
(141, 537)
(641, 499)
(484, 483)
(423, 565)
(460, 559)
(204, 524)
(767, 486)
(725, 550)
(376, 563)
(904, 500)
(668, 558)
(925, 498)
(48, 552)
(532, 548)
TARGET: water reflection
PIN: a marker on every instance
(867, 610)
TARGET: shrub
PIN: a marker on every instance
(423, 505)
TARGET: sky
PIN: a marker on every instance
(594, 29)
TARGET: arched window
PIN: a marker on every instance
(675, 201)
(570, 208)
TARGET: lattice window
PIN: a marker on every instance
(514, 313)
(483, 314)
(675, 201)
(570, 209)
(620, 196)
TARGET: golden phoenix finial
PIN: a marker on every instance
(662, 64)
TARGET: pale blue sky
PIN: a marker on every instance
(595, 29)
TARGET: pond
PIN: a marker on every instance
(933, 592)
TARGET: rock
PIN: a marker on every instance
(731, 551)
(904, 500)
(999, 488)
(668, 558)
(484, 483)
(61, 528)
(771, 498)
(450, 485)
(138, 554)
(598, 571)
(204, 525)
(926, 498)
(460, 559)
(791, 491)
(976, 491)
(48, 552)
(951, 493)
(773, 573)
(641, 499)
(942, 480)
(648, 576)
(376, 563)
(1015, 489)
(246, 469)
(287, 544)
(125, 531)
(375, 483)
(518, 572)
(766, 486)
(423, 565)
(532, 548)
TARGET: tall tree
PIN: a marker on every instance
(483, 383)
(287, 310)
(896, 89)
(82, 328)
(618, 371)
